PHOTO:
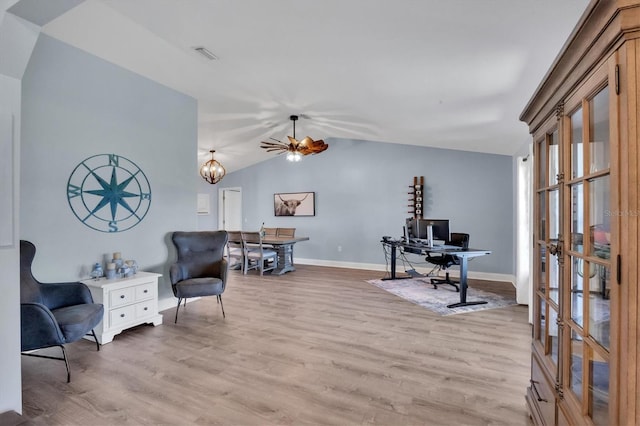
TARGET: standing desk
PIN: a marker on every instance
(461, 253)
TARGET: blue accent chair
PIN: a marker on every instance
(53, 314)
(201, 269)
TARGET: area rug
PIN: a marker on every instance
(421, 292)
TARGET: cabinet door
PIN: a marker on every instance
(586, 316)
(548, 267)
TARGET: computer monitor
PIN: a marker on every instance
(411, 227)
(417, 228)
(440, 228)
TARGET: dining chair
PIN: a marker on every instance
(270, 232)
(286, 232)
(234, 250)
(255, 255)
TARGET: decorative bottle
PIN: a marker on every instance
(111, 271)
(262, 231)
(117, 259)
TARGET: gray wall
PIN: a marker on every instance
(18, 38)
(74, 106)
(10, 377)
(362, 194)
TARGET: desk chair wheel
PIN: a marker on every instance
(437, 281)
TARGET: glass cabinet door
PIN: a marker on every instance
(572, 257)
(587, 322)
(548, 238)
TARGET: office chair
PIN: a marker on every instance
(445, 261)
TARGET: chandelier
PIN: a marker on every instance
(295, 149)
(212, 171)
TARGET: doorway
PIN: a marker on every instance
(230, 209)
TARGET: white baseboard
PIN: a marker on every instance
(488, 276)
(171, 302)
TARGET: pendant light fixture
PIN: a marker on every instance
(212, 171)
(295, 149)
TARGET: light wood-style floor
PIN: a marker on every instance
(316, 346)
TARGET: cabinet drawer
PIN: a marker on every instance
(146, 291)
(122, 296)
(542, 393)
(144, 309)
(122, 315)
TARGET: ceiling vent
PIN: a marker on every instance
(206, 53)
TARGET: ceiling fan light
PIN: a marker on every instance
(294, 156)
(295, 149)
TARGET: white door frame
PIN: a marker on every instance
(221, 192)
(524, 230)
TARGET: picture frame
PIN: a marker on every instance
(294, 204)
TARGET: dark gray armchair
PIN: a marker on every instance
(201, 269)
(53, 314)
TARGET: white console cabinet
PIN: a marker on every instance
(127, 302)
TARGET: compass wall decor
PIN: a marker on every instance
(109, 193)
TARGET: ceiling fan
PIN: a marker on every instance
(295, 149)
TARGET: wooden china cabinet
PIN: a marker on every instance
(584, 119)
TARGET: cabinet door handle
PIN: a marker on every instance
(145, 308)
(122, 296)
(146, 291)
(121, 315)
(535, 390)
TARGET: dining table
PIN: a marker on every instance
(284, 248)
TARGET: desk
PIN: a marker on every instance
(463, 254)
(284, 247)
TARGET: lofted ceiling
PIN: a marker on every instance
(444, 73)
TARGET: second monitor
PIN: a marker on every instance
(418, 228)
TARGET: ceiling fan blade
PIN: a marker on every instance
(306, 141)
(293, 141)
(320, 145)
(280, 145)
(314, 147)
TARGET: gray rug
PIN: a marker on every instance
(421, 292)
